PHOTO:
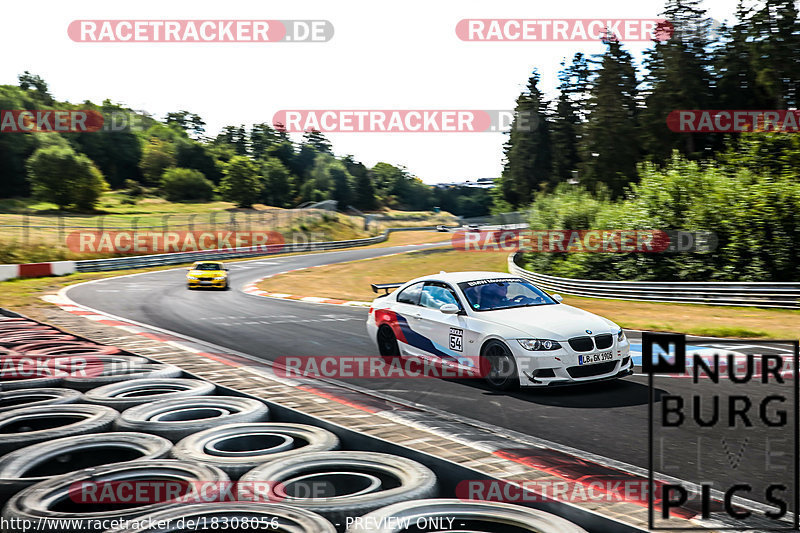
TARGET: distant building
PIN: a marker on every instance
(480, 183)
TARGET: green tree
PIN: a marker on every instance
(28, 81)
(262, 137)
(157, 156)
(610, 147)
(181, 184)
(566, 122)
(528, 162)
(364, 191)
(277, 183)
(70, 180)
(241, 183)
(190, 123)
(678, 77)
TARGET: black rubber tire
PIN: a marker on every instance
(77, 420)
(493, 355)
(35, 504)
(208, 446)
(19, 469)
(126, 394)
(465, 513)
(408, 480)
(387, 344)
(258, 516)
(127, 373)
(15, 399)
(32, 383)
(221, 410)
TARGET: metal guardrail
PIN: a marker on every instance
(143, 261)
(746, 294)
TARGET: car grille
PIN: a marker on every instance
(603, 341)
(581, 344)
(591, 370)
(206, 279)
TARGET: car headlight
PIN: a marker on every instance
(191, 278)
(219, 278)
(621, 336)
(539, 344)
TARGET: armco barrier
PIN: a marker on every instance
(60, 268)
(747, 294)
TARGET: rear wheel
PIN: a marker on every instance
(387, 344)
(498, 366)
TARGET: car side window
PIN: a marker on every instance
(435, 295)
(410, 295)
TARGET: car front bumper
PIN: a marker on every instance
(562, 367)
(216, 284)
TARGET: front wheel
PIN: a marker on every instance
(387, 344)
(498, 366)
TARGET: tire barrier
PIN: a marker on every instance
(126, 394)
(30, 425)
(27, 337)
(233, 517)
(176, 419)
(58, 348)
(238, 448)
(462, 515)
(111, 370)
(61, 505)
(33, 464)
(11, 400)
(300, 482)
(342, 484)
(7, 384)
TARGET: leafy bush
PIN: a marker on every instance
(756, 217)
(180, 184)
(242, 183)
(68, 179)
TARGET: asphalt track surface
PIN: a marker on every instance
(609, 419)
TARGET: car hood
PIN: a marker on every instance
(556, 322)
(215, 273)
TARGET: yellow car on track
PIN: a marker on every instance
(212, 274)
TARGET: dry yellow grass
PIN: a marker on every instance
(351, 281)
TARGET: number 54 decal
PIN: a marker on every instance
(457, 339)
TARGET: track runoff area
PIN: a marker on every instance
(715, 433)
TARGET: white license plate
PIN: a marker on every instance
(593, 358)
(205, 283)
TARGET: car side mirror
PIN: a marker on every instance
(449, 309)
(557, 297)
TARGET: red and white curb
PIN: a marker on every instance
(37, 270)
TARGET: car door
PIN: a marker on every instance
(448, 336)
(408, 318)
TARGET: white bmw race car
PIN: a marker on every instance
(512, 332)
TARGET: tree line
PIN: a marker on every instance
(609, 117)
(174, 156)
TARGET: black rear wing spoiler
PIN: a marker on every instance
(377, 287)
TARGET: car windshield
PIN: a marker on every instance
(506, 293)
(208, 266)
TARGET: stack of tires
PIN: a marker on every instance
(89, 435)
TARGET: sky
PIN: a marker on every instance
(382, 56)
